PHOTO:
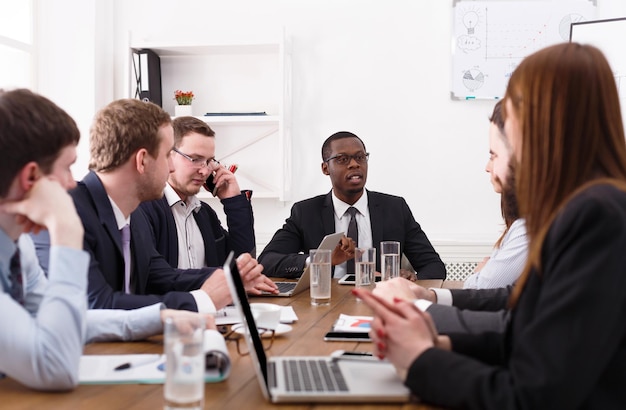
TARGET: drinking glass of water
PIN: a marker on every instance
(365, 267)
(320, 276)
(390, 259)
(184, 363)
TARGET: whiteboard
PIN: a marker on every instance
(608, 36)
(490, 39)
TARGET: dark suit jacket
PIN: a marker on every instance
(473, 311)
(481, 299)
(450, 319)
(218, 242)
(565, 344)
(153, 279)
(313, 218)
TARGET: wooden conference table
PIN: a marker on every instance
(241, 389)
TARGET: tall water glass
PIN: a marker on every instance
(390, 259)
(320, 276)
(184, 363)
(365, 267)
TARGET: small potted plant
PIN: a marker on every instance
(183, 100)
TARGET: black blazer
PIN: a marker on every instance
(565, 343)
(473, 311)
(153, 279)
(450, 319)
(218, 242)
(312, 219)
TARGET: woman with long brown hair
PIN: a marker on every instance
(565, 343)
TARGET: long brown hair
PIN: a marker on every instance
(566, 100)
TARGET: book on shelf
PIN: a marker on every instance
(232, 114)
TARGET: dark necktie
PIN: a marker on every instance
(126, 250)
(17, 288)
(353, 233)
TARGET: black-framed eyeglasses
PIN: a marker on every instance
(267, 338)
(344, 159)
(196, 162)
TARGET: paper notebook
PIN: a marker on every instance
(150, 368)
(350, 328)
(230, 315)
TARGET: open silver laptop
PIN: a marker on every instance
(313, 379)
(294, 287)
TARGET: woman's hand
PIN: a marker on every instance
(400, 331)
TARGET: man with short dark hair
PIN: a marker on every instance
(187, 231)
(379, 217)
(42, 319)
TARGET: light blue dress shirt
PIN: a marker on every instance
(105, 325)
(41, 342)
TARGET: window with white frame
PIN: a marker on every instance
(16, 44)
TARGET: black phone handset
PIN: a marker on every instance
(209, 185)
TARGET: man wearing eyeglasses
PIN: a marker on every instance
(187, 231)
(379, 217)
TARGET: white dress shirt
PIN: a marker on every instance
(506, 262)
(190, 241)
(503, 268)
(342, 219)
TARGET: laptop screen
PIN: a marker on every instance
(240, 298)
(363, 381)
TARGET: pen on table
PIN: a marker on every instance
(138, 362)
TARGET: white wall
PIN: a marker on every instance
(74, 57)
(378, 68)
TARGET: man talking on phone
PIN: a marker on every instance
(186, 230)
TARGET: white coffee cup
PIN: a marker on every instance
(266, 315)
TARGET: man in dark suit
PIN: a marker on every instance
(379, 217)
(131, 144)
(186, 230)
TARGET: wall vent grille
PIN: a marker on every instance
(459, 270)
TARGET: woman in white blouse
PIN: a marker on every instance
(508, 258)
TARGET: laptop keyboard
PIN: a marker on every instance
(285, 287)
(316, 375)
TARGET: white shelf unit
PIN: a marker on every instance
(238, 76)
